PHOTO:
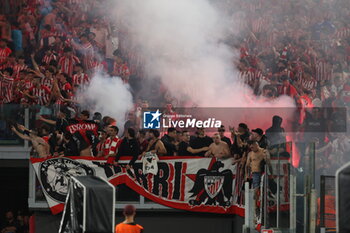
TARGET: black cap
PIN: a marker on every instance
(258, 131)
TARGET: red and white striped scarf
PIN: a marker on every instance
(111, 145)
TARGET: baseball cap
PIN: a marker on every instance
(258, 131)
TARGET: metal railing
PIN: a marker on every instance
(326, 204)
(301, 212)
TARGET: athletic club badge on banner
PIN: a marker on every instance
(187, 183)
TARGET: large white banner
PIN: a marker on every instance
(188, 183)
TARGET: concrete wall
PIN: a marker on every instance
(161, 222)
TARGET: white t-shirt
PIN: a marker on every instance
(149, 163)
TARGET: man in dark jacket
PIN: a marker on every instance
(276, 134)
(128, 147)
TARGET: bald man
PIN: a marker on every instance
(218, 149)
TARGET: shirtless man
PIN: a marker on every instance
(218, 148)
(38, 143)
(254, 162)
(155, 145)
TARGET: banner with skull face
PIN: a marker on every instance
(188, 183)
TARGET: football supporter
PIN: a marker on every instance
(155, 145)
(6, 85)
(4, 51)
(170, 142)
(221, 132)
(184, 146)
(257, 157)
(201, 141)
(120, 68)
(68, 61)
(101, 145)
(112, 144)
(39, 94)
(80, 78)
(41, 147)
(128, 147)
(218, 149)
(258, 135)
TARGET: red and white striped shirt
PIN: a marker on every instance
(67, 64)
(4, 53)
(260, 24)
(111, 146)
(324, 71)
(28, 84)
(48, 58)
(120, 70)
(7, 65)
(308, 84)
(6, 89)
(88, 55)
(251, 76)
(68, 89)
(48, 82)
(18, 68)
(342, 33)
(42, 92)
(100, 66)
(80, 79)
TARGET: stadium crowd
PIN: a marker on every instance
(48, 51)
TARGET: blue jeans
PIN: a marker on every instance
(256, 179)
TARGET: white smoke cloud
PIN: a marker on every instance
(182, 43)
(107, 95)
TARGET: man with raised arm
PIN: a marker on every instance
(38, 143)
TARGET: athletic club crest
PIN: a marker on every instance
(212, 187)
(55, 174)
